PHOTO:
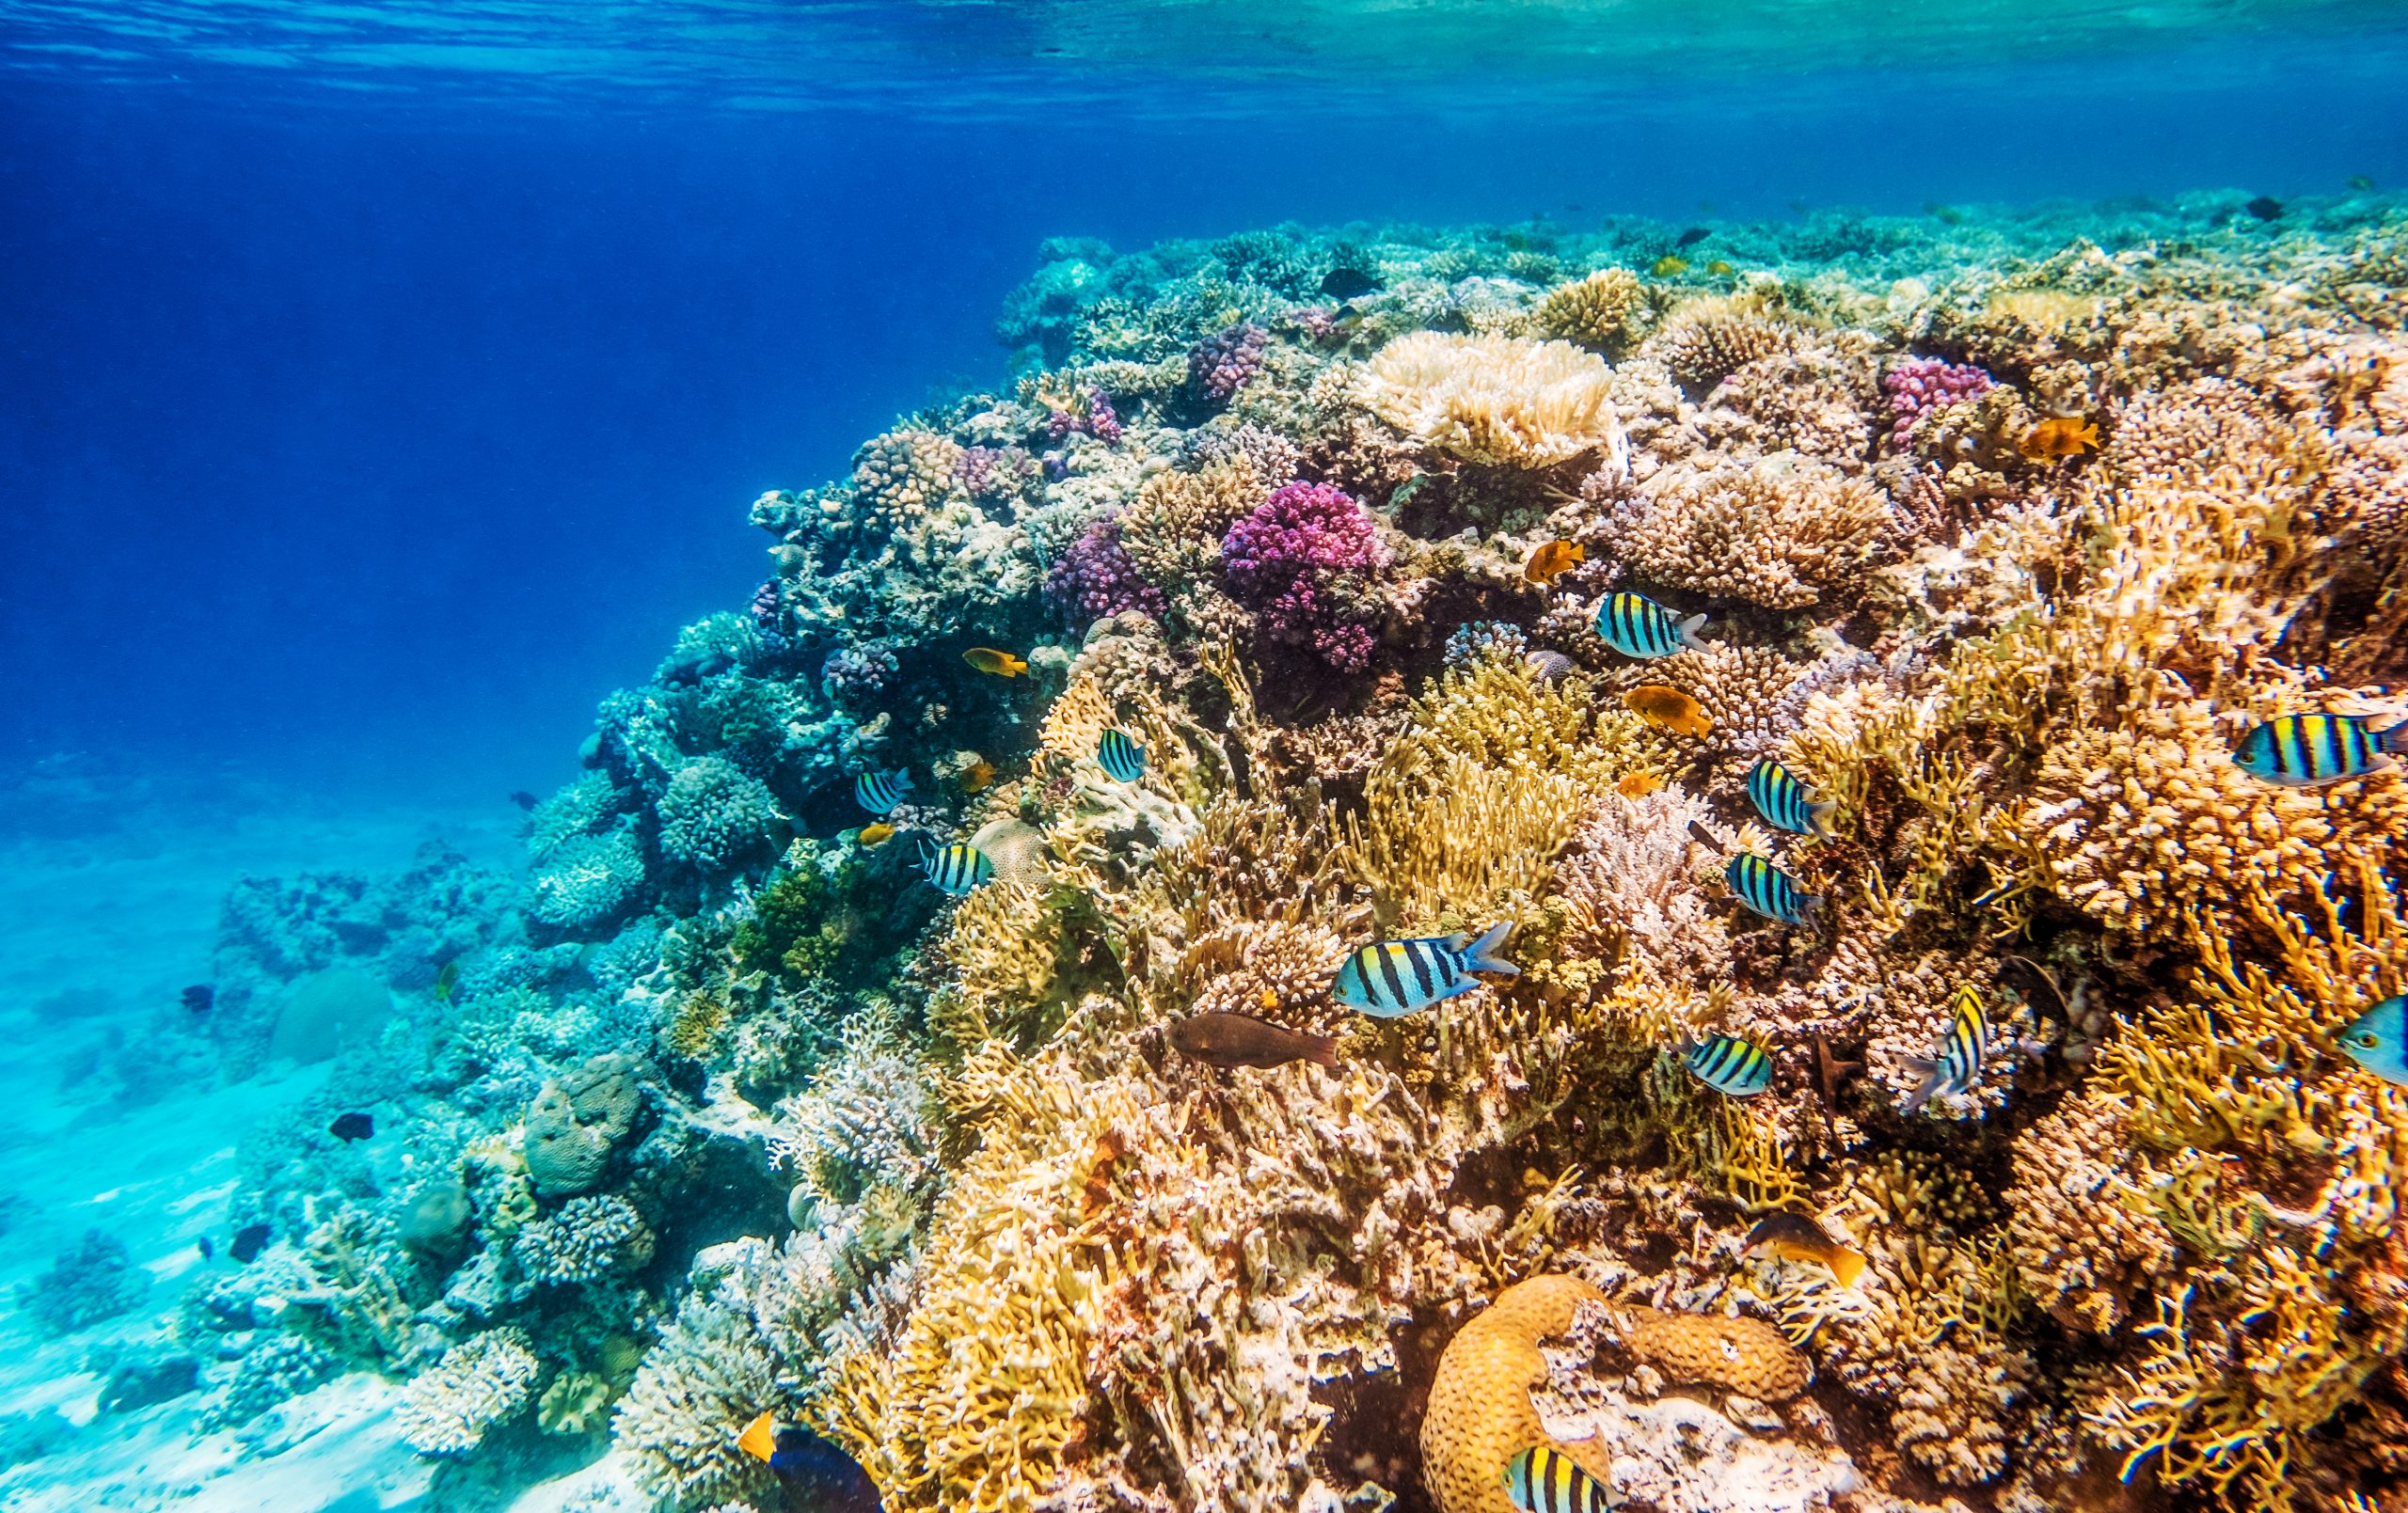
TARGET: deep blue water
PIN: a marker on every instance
(367, 410)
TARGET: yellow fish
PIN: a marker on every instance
(1793, 1237)
(1668, 708)
(1720, 269)
(1639, 785)
(1552, 560)
(760, 1438)
(999, 664)
(1668, 266)
(878, 834)
(979, 777)
(2059, 436)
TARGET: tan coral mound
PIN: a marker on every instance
(1500, 401)
(1747, 1356)
(1777, 533)
(1480, 1413)
(1594, 311)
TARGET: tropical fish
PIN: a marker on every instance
(876, 835)
(207, 1247)
(835, 1480)
(1767, 890)
(1389, 979)
(696, 667)
(2059, 436)
(249, 1241)
(1795, 1238)
(880, 791)
(1121, 759)
(524, 800)
(1668, 266)
(1959, 1067)
(199, 998)
(1666, 707)
(1720, 269)
(2310, 751)
(1639, 785)
(1780, 799)
(1635, 625)
(1547, 666)
(1730, 1063)
(1345, 283)
(1691, 237)
(2378, 1040)
(2360, 181)
(1551, 560)
(1242, 1040)
(2266, 207)
(956, 869)
(354, 1125)
(1543, 1479)
(447, 980)
(998, 664)
(979, 777)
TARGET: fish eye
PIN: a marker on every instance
(2365, 1040)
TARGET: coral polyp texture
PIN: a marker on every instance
(1216, 649)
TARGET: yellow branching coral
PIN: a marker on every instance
(1594, 311)
(1778, 532)
(1004, 951)
(1458, 839)
(1495, 399)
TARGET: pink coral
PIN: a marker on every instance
(994, 472)
(1919, 386)
(1299, 559)
(1090, 412)
(1096, 579)
(1219, 366)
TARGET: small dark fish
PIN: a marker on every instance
(199, 998)
(1345, 283)
(2360, 181)
(523, 799)
(1242, 1040)
(1691, 237)
(447, 980)
(2266, 207)
(688, 671)
(249, 1241)
(207, 1247)
(832, 1481)
(353, 1126)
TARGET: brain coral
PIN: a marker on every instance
(1480, 1413)
(1496, 400)
(715, 817)
(578, 1119)
(328, 1011)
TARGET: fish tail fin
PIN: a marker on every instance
(2392, 738)
(1322, 1050)
(1929, 1071)
(1818, 816)
(1846, 1265)
(1688, 629)
(1481, 956)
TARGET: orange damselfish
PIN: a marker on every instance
(1669, 708)
(1553, 560)
(1639, 785)
(2059, 436)
(1000, 664)
(878, 834)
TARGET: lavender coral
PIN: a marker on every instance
(1220, 364)
(1300, 559)
(1096, 579)
(1919, 386)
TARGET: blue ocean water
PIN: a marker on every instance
(379, 388)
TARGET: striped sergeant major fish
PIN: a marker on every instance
(1121, 759)
(1635, 625)
(1543, 1479)
(1389, 979)
(1957, 1068)
(1782, 799)
(880, 791)
(1731, 1065)
(2310, 751)
(1767, 890)
(956, 869)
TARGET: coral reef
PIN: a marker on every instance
(480, 1383)
(96, 1280)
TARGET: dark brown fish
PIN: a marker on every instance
(1242, 1040)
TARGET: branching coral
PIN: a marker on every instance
(1777, 533)
(448, 1409)
(1596, 311)
(1494, 400)
(1301, 559)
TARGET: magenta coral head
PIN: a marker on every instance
(1919, 386)
(1286, 560)
(1097, 578)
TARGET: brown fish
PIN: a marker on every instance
(1795, 1238)
(2059, 436)
(1242, 1040)
(1665, 706)
(979, 777)
(1553, 560)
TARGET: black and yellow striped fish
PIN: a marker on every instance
(1767, 890)
(1959, 1067)
(880, 791)
(1543, 1479)
(2310, 751)
(1782, 799)
(1389, 979)
(1731, 1065)
(1635, 625)
(956, 869)
(1121, 759)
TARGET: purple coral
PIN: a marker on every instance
(1096, 579)
(1919, 386)
(766, 604)
(1089, 412)
(1219, 366)
(1291, 560)
(858, 674)
(994, 472)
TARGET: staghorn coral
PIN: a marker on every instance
(1779, 532)
(1493, 400)
(480, 1383)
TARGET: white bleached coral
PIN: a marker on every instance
(480, 1384)
(1496, 400)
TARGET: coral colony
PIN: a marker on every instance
(1571, 882)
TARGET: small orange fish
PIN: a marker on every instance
(1668, 708)
(1270, 998)
(878, 834)
(1639, 785)
(979, 777)
(760, 1436)
(998, 664)
(2059, 436)
(1553, 560)
(1795, 1238)
(1668, 266)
